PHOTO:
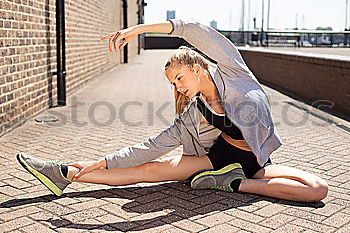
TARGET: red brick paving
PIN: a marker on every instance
(26, 206)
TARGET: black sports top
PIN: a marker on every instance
(219, 121)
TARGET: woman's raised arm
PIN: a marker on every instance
(210, 42)
(125, 35)
(206, 39)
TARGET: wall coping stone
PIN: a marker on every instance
(315, 58)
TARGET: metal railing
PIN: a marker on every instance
(292, 38)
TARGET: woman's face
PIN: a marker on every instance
(185, 79)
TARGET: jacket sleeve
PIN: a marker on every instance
(210, 42)
(154, 147)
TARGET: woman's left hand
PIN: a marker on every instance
(126, 35)
(85, 167)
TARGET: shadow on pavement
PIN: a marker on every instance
(178, 200)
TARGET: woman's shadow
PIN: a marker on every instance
(149, 207)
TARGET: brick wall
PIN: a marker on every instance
(317, 80)
(132, 20)
(28, 51)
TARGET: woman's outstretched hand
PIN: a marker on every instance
(115, 37)
(130, 33)
(86, 167)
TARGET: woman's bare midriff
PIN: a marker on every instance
(241, 144)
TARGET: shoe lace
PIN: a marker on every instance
(58, 162)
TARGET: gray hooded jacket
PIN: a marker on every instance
(242, 97)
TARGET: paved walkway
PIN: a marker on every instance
(130, 103)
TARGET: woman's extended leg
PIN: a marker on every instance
(169, 169)
(286, 183)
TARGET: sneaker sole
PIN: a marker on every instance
(199, 178)
(42, 178)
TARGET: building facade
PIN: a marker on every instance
(214, 24)
(28, 51)
(170, 15)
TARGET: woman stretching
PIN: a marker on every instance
(224, 123)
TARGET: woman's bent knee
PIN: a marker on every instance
(318, 189)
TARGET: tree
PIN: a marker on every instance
(325, 28)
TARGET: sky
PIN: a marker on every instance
(307, 14)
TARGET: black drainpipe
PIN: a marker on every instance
(125, 25)
(61, 53)
(140, 13)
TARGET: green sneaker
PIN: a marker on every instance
(47, 172)
(219, 179)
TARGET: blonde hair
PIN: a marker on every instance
(188, 57)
